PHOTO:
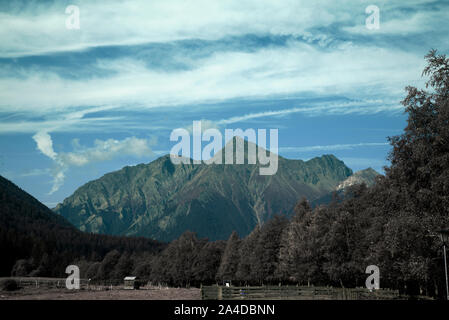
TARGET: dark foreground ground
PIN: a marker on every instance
(114, 294)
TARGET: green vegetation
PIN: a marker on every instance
(34, 241)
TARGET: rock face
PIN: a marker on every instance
(162, 200)
(367, 176)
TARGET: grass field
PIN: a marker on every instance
(153, 293)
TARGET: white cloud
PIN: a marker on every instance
(299, 68)
(101, 151)
(35, 172)
(45, 144)
(40, 27)
(332, 147)
(360, 107)
(58, 179)
(106, 150)
(406, 23)
(351, 70)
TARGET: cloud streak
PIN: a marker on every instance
(355, 107)
(332, 147)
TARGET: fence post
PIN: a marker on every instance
(220, 293)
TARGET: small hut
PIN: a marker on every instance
(227, 283)
(131, 283)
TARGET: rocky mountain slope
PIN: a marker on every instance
(366, 176)
(162, 200)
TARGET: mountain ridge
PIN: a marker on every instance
(162, 200)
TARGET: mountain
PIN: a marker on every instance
(367, 176)
(41, 243)
(161, 200)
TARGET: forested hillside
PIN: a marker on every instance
(35, 241)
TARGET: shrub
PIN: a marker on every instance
(9, 285)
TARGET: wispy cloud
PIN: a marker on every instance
(406, 22)
(332, 147)
(39, 27)
(299, 68)
(101, 151)
(35, 172)
(328, 51)
(354, 107)
(107, 150)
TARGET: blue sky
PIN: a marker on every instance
(77, 103)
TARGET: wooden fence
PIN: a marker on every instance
(41, 282)
(86, 284)
(294, 293)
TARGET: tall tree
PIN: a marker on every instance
(267, 250)
(230, 259)
(178, 259)
(106, 268)
(207, 262)
(291, 239)
(419, 172)
(248, 257)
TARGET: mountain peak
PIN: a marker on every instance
(161, 200)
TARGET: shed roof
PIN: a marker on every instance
(130, 278)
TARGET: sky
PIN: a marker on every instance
(80, 100)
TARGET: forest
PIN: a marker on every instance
(393, 224)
